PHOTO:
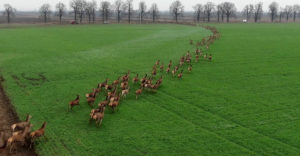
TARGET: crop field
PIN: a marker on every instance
(244, 102)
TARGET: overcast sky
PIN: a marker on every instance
(33, 5)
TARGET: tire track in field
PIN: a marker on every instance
(206, 130)
(237, 123)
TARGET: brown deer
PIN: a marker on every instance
(18, 138)
(210, 57)
(74, 102)
(91, 100)
(136, 78)
(116, 82)
(190, 68)
(97, 115)
(125, 92)
(21, 125)
(180, 75)
(138, 92)
(170, 64)
(162, 67)
(38, 133)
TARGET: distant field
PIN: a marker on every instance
(245, 102)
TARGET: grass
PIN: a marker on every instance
(246, 102)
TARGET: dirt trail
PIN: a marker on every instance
(8, 116)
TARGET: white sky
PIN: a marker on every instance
(163, 5)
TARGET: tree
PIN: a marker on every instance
(208, 8)
(128, 7)
(75, 4)
(288, 10)
(296, 10)
(81, 9)
(258, 11)
(229, 9)
(60, 10)
(118, 8)
(90, 10)
(273, 8)
(105, 10)
(248, 11)
(142, 10)
(281, 13)
(220, 12)
(9, 12)
(198, 9)
(176, 9)
(154, 12)
(45, 12)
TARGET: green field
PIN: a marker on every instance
(244, 102)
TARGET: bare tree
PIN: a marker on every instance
(208, 9)
(220, 12)
(258, 11)
(288, 10)
(154, 12)
(81, 9)
(128, 7)
(45, 12)
(118, 8)
(60, 10)
(142, 10)
(248, 11)
(296, 10)
(229, 9)
(273, 8)
(90, 10)
(9, 12)
(198, 9)
(75, 4)
(105, 10)
(281, 13)
(176, 9)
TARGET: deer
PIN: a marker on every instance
(38, 133)
(138, 92)
(205, 56)
(136, 78)
(210, 57)
(154, 72)
(113, 104)
(74, 102)
(97, 115)
(103, 84)
(170, 64)
(104, 103)
(190, 68)
(91, 100)
(197, 58)
(19, 137)
(92, 93)
(161, 67)
(143, 80)
(180, 75)
(21, 125)
(191, 42)
(157, 62)
(125, 92)
(116, 82)
(168, 70)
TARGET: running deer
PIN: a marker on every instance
(74, 102)
(21, 125)
(136, 78)
(138, 92)
(180, 75)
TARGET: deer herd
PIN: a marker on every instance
(21, 135)
(116, 91)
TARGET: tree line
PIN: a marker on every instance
(123, 10)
